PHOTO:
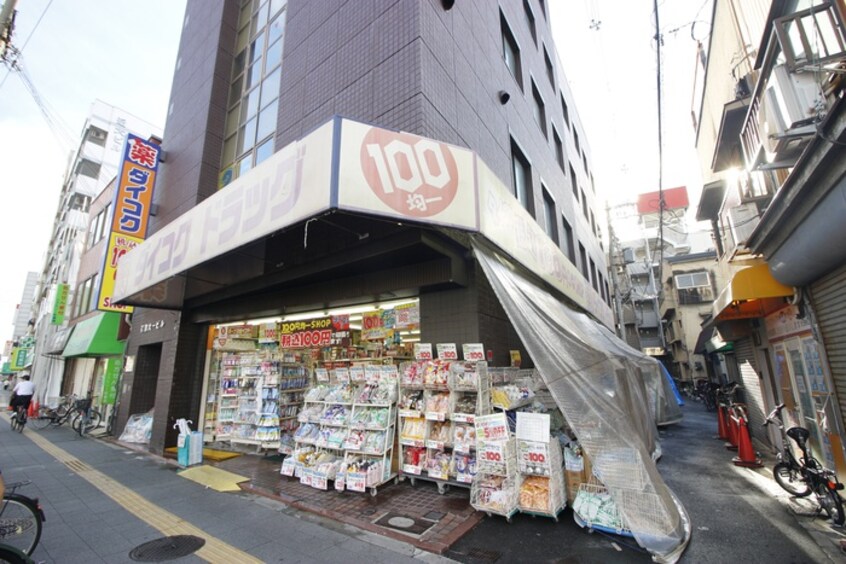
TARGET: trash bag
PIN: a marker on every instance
(139, 428)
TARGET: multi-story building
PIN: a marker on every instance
(94, 164)
(770, 137)
(254, 94)
(23, 314)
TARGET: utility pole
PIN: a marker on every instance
(614, 255)
(655, 291)
(7, 26)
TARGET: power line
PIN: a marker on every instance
(18, 52)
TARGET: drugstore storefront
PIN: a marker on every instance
(351, 216)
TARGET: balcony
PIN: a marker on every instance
(788, 101)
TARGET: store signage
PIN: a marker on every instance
(447, 351)
(785, 323)
(60, 304)
(315, 333)
(533, 457)
(507, 224)
(152, 326)
(356, 481)
(131, 212)
(110, 381)
(268, 198)
(473, 352)
(245, 331)
(404, 176)
(19, 358)
(407, 316)
(491, 451)
(268, 332)
(423, 351)
(492, 427)
(377, 325)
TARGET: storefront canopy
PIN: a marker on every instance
(95, 336)
(58, 341)
(600, 387)
(341, 169)
(752, 292)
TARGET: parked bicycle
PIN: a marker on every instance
(71, 409)
(21, 521)
(803, 475)
(706, 391)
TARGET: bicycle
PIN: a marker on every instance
(18, 419)
(21, 521)
(87, 418)
(806, 474)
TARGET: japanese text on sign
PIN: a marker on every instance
(447, 351)
(473, 351)
(492, 427)
(423, 351)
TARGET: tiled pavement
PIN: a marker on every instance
(447, 516)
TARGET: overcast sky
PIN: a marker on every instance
(124, 53)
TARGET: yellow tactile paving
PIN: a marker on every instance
(215, 550)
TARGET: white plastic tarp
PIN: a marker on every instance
(602, 393)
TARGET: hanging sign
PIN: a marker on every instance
(492, 427)
(110, 380)
(377, 325)
(315, 333)
(60, 304)
(407, 316)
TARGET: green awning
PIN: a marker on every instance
(95, 336)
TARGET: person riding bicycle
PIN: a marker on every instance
(22, 394)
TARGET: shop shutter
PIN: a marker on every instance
(828, 297)
(747, 364)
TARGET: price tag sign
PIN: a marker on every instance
(473, 352)
(534, 457)
(491, 452)
(357, 373)
(319, 481)
(447, 351)
(465, 478)
(435, 416)
(388, 372)
(288, 467)
(423, 351)
(410, 469)
(356, 481)
(371, 374)
(492, 427)
(342, 375)
(305, 477)
(322, 374)
(438, 445)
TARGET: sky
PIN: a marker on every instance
(611, 69)
(120, 52)
(124, 53)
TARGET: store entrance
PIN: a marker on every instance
(146, 377)
(260, 370)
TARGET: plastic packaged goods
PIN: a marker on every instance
(139, 428)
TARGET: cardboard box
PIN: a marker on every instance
(577, 471)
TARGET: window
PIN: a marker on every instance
(87, 168)
(584, 204)
(559, 149)
(84, 297)
(253, 88)
(584, 262)
(530, 19)
(549, 215)
(694, 288)
(550, 73)
(543, 6)
(539, 108)
(510, 51)
(584, 162)
(593, 276)
(522, 176)
(576, 142)
(608, 292)
(574, 182)
(97, 136)
(99, 226)
(566, 111)
(569, 248)
(593, 223)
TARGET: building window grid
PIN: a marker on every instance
(511, 51)
(549, 224)
(530, 21)
(583, 262)
(574, 182)
(522, 176)
(539, 108)
(559, 149)
(569, 247)
(550, 72)
(254, 88)
(566, 111)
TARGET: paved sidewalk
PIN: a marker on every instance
(84, 524)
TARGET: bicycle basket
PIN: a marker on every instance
(84, 404)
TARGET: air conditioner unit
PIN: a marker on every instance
(742, 222)
(789, 106)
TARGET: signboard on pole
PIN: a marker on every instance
(60, 304)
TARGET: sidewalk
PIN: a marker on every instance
(89, 522)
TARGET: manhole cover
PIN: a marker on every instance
(404, 523)
(166, 548)
(401, 522)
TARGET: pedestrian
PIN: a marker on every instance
(23, 392)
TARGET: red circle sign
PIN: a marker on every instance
(415, 176)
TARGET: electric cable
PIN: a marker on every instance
(18, 52)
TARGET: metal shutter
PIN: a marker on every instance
(828, 297)
(747, 364)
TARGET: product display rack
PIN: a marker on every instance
(541, 469)
(350, 417)
(439, 401)
(496, 486)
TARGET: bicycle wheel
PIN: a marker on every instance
(95, 419)
(832, 505)
(44, 418)
(790, 479)
(20, 523)
(13, 555)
